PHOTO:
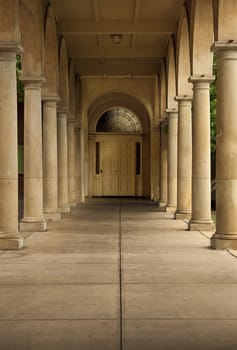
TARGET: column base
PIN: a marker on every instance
(11, 241)
(64, 209)
(28, 225)
(182, 215)
(224, 241)
(73, 204)
(199, 225)
(170, 209)
(52, 216)
(162, 204)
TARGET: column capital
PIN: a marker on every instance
(32, 82)
(201, 79)
(71, 122)
(224, 45)
(163, 121)
(7, 48)
(62, 110)
(186, 98)
(50, 101)
(62, 113)
(172, 113)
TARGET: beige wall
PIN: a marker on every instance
(135, 88)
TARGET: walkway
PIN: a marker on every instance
(63, 291)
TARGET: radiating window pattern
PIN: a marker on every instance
(119, 120)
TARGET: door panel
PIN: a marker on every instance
(109, 158)
(127, 168)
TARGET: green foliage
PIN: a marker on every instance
(213, 99)
(20, 87)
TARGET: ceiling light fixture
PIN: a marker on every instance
(116, 38)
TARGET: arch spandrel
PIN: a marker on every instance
(183, 56)
(63, 75)
(163, 91)
(50, 88)
(171, 77)
(78, 99)
(109, 101)
(225, 20)
(31, 23)
(202, 36)
(9, 24)
(72, 89)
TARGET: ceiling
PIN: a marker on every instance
(145, 25)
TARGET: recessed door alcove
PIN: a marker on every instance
(116, 154)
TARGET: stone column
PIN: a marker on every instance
(82, 153)
(33, 219)
(163, 161)
(71, 162)
(77, 164)
(50, 162)
(201, 167)
(63, 206)
(184, 187)
(226, 142)
(172, 159)
(9, 236)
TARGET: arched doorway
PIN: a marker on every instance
(116, 154)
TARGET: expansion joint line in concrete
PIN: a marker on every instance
(120, 278)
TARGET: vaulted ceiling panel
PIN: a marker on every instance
(75, 9)
(122, 9)
(144, 27)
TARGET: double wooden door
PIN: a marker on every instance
(115, 163)
(118, 168)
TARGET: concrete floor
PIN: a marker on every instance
(63, 292)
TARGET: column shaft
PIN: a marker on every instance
(172, 159)
(50, 163)
(71, 163)
(184, 187)
(226, 152)
(201, 168)
(9, 237)
(163, 162)
(62, 163)
(33, 219)
(77, 165)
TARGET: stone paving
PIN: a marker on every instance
(63, 291)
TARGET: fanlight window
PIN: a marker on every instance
(119, 120)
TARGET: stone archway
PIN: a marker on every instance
(116, 158)
(130, 147)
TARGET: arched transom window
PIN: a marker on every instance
(119, 120)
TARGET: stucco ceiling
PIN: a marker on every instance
(146, 26)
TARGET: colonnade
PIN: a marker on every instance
(55, 148)
(189, 173)
(49, 157)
